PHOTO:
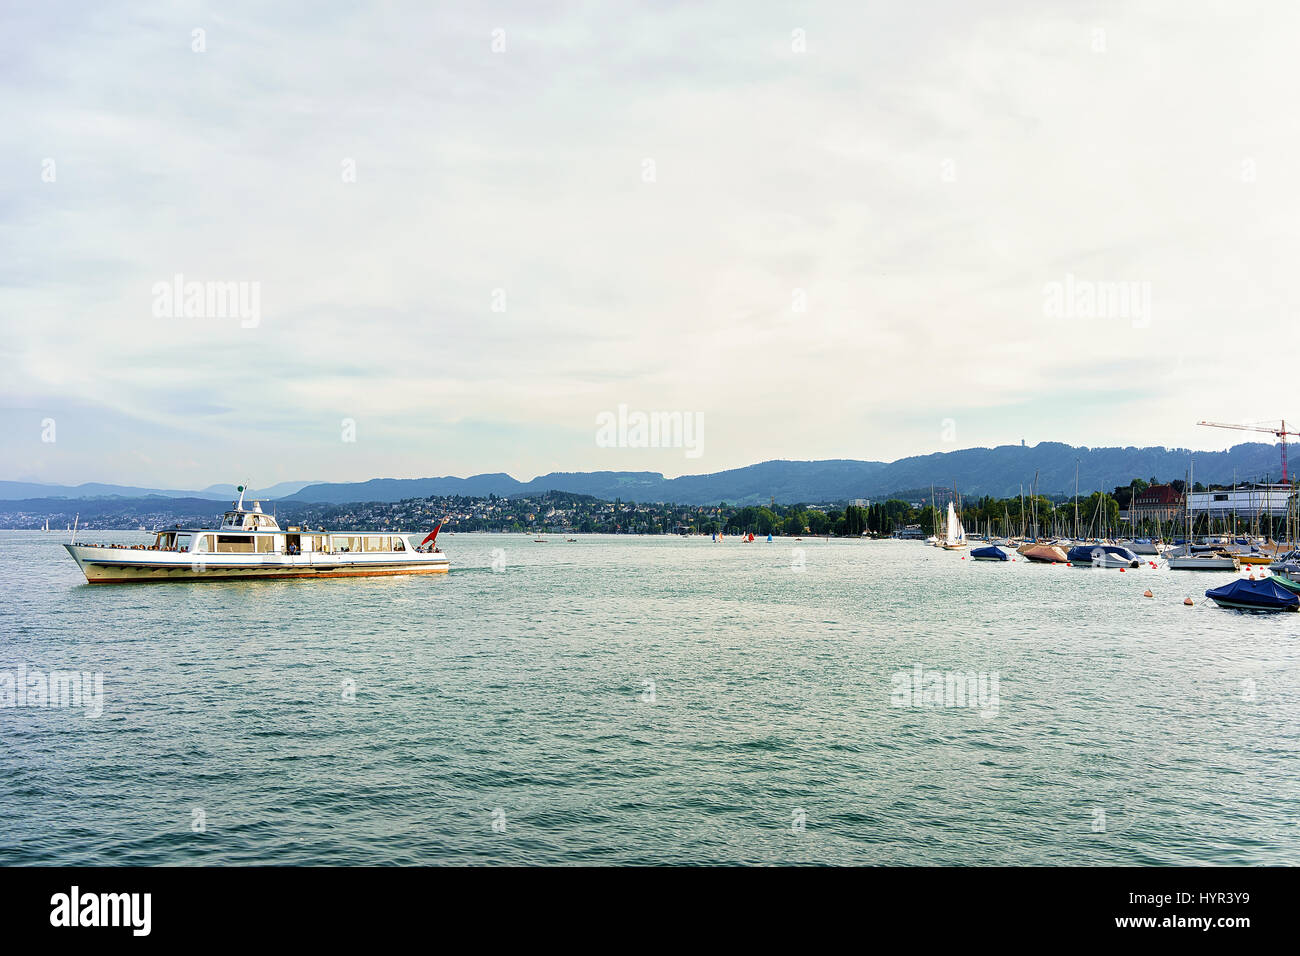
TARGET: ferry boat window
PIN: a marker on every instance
(318, 542)
(203, 542)
(183, 542)
(398, 545)
(234, 544)
(372, 542)
(266, 543)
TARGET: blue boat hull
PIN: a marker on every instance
(1263, 595)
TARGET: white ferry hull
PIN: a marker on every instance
(133, 565)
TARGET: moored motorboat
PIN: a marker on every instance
(1263, 594)
(249, 544)
(1144, 546)
(990, 553)
(1287, 575)
(1211, 561)
(1042, 553)
(1103, 556)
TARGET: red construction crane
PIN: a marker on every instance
(1278, 432)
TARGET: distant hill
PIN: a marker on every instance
(22, 490)
(280, 490)
(1000, 471)
(789, 481)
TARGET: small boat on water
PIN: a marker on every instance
(1103, 556)
(1287, 575)
(248, 544)
(1144, 546)
(1042, 553)
(991, 553)
(1285, 558)
(1206, 561)
(1263, 595)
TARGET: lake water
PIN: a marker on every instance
(650, 700)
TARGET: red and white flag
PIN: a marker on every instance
(433, 535)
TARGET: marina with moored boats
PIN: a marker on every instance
(1272, 581)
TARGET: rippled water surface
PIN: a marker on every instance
(649, 700)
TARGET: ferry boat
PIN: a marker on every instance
(250, 544)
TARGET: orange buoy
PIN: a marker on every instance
(1122, 570)
(1187, 601)
(1147, 593)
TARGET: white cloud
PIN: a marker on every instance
(919, 173)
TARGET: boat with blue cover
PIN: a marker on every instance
(991, 553)
(1264, 594)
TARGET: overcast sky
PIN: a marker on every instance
(830, 230)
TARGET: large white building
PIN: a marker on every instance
(1244, 502)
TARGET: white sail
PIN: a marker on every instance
(955, 533)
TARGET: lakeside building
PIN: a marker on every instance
(1161, 502)
(1166, 503)
(1243, 502)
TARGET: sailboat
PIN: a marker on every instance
(1189, 557)
(954, 538)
